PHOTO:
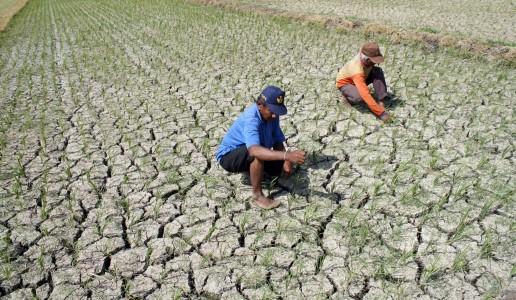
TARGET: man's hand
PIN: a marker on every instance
(297, 157)
(385, 117)
(287, 168)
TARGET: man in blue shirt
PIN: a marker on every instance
(254, 144)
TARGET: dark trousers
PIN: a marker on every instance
(375, 77)
(239, 160)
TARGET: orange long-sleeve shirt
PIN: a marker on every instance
(354, 73)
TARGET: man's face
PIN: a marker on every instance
(366, 62)
(266, 113)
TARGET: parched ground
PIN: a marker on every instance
(111, 112)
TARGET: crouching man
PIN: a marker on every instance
(254, 144)
(354, 77)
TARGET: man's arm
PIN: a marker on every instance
(359, 82)
(265, 154)
(287, 165)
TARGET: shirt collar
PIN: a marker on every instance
(258, 111)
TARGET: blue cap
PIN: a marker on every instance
(274, 99)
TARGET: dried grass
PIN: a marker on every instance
(7, 14)
(466, 47)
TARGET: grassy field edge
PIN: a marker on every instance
(468, 48)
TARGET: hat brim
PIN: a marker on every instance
(377, 59)
(279, 110)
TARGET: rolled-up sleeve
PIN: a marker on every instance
(252, 132)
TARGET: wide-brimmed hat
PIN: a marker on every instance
(274, 98)
(372, 50)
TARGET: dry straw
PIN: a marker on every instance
(468, 47)
(8, 13)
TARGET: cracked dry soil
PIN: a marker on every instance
(111, 112)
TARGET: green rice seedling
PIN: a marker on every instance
(242, 223)
(17, 188)
(431, 272)
(7, 271)
(460, 231)
(434, 160)
(377, 188)
(290, 200)
(156, 207)
(138, 236)
(92, 184)
(461, 191)
(272, 183)
(381, 271)
(127, 286)
(405, 257)
(178, 294)
(41, 258)
(487, 248)
(310, 212)
(210, 232)
(20, 169)
(3, 140)
(124, 204)
(494, 290)
(101, 225)
(460, 262)
(486, 208)
(148, 254)
(482, 163)
(43, 201)
(267, 258)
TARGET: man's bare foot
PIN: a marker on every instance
(382, 104)
(265, 203)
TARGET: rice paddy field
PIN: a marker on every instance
(111, 112)
(482, 20)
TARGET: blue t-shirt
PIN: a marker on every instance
(249, 129)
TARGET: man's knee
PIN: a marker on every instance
(350, 92)
(255, 160)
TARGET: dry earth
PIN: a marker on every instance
(111, 112)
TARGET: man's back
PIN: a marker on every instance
(249, 129)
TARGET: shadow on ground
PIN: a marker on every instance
(391, 103)
(299, 182)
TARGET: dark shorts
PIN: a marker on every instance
(239, 160)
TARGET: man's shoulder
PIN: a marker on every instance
(251, 112)
(250, 115)
(353, 66)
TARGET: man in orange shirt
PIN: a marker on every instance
(353, 78)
